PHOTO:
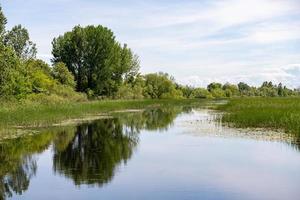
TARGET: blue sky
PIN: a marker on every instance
(197, 41)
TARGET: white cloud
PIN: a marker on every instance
(206, 41)
(289, 75)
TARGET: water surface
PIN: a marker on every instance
(171, 153)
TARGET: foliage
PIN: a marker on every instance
(214, 86)
(12, 74)
(18, 39)
(96, 59)
(3, 22)
(160, 85)
(201, 93)
(61, 73)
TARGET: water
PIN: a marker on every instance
(171, 153)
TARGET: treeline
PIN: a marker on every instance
(218, 90)
(88, 62)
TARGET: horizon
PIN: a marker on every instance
(197, 42)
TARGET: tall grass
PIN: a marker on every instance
(39, 114)
(277, 113)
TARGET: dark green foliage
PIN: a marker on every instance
(3, 22)
(96, 59)
(214, 86)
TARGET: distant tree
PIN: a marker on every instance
(213, 86)
(3, 22)
(160, 85)
(187, 91)
(18, 39)
(218, 93)
(201, 93)
(61, 73)
(280, 90)
(243, 86)
(230, 90)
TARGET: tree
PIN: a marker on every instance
(201, 93)
(18, 39)
(213, 86)
(280, 90)
(130, 64)
(160, 85)
(96, 59)
(230, 90)
(12, 74)
(61, 73)
(243, 88)
(3, 22)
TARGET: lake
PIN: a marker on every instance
(163, 153)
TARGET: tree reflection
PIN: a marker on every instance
(87, 154)
(17, 163)
(94, 152)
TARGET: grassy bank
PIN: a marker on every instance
(277, 113)
(36, 114)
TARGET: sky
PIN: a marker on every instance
(196, 41)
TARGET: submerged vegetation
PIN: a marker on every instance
(275, 113)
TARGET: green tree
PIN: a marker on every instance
(160, 85)
(243, 88)
(96, 59)
(61, 73)
(218, 93)
(201, 93)
(3, 22)
(213, 86)
(38, 72)
(12, 74)
(18, 39)
(230, 90)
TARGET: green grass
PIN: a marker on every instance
(274, 113)
(37, 114)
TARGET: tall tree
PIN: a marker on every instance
(3, 22)
(96, 59)
(12, 78)
(18, 39)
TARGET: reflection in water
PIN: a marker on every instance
(92, 152)
(18, 164)
(208, 123)
(88, 154)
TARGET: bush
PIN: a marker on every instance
(61, 73)
(201, 93)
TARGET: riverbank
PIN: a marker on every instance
(37, 115)
(274, 113)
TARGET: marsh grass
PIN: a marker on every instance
(31, 114)
(274, 113)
